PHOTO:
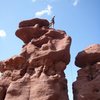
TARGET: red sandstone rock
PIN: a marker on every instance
(32, 22)
(13, 63)
(90, 55)
(38, 72)
(87, 85)
(28, 33)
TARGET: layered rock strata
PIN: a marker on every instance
(37, 73)
(87, 85)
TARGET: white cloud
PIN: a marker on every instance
(47, 10)
(75, 3)
(2, 33)
(34, 0)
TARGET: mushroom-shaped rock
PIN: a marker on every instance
(38, 71)
(33, 28)
(89, 56)
(32, 22)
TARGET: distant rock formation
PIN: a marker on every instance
(37, 73)
(87, 85)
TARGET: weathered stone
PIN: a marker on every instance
(87, 85)
(90, 55)
(38, 72)
(28, 33)
(32, 22)
(15, 62)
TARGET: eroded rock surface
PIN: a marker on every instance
(37, 73)
(87, 85)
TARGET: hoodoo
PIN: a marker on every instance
(87, 85)
(37, 73)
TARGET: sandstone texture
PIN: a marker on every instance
(37, 73)
(87, 85)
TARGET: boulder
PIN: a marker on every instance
(89, 56)
(32, 22)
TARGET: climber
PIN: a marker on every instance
(51, 24)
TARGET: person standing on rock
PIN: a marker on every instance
(51, 24)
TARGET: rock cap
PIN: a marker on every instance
(32, 22)
(88, 56)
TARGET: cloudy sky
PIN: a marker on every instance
(79, 18)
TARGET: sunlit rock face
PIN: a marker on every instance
(87, 85)
(37, 73)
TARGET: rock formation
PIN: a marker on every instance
(87, 85)
(37, 73)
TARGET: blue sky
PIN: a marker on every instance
(79, 18)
